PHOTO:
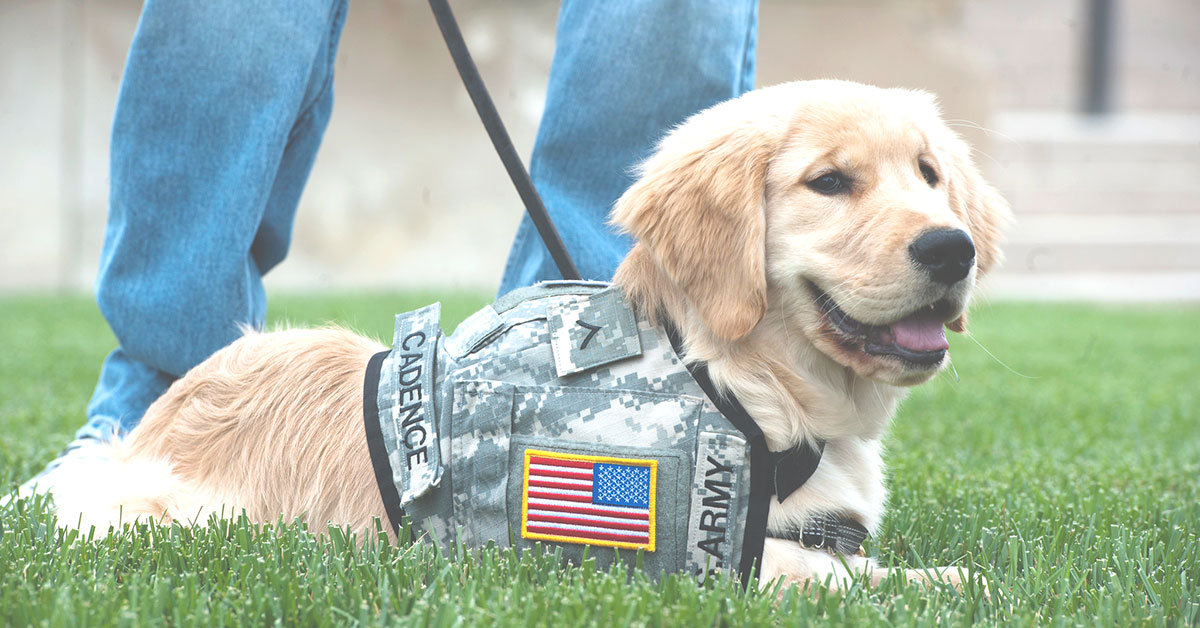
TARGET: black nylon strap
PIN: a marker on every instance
(794, 466)
(500, 140)
(827, 531)
(771, 473)
(375, 446)
(761, 476)
(789, 469)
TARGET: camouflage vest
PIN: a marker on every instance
(556, 416)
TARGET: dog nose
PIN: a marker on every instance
(947, 254)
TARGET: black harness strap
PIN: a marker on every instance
(761, 475)
(375, 446)
(499, 136)
(794, 466)
(778, 473)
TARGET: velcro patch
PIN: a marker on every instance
(592, 330)
(406, 403)
(713, 519)
(591, 500)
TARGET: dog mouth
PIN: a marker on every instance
(918, 338)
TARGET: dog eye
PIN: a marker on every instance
(830, 183)
(930, 176)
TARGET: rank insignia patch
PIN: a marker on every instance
(593, 500)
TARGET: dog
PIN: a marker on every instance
(807, 242)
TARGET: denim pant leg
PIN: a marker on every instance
(624, 72)
(221, 109)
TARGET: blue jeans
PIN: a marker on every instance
(623, 74)
(221, 110)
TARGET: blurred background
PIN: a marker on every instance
(1085, 113)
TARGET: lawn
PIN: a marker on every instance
(1066, 468)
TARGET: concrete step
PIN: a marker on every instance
(1106, 209)
(1127, 228)
(1174, 286)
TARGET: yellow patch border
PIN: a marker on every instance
(525, 533)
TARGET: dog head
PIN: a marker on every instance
(850, 213)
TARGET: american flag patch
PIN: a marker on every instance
(594, 500)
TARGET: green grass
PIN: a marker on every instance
(1073, 484)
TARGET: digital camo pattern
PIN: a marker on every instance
(596, 415)
(479, 451)
(713, 520)
(473, 331)
(738, 450)
(637, 399)
(406, 402)
(592, 330)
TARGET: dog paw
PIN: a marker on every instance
(960, 578)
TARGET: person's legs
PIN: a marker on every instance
(221, 109)
(624, 72)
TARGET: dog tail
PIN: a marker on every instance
(107, 489)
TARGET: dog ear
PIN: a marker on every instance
(979, 205)
(699, 209)
(984, 211)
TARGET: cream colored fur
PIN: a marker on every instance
(271, 424)
(729, 237)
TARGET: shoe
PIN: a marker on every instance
(80, 450)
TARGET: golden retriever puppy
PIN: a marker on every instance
(809, 242)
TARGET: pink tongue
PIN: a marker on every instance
(920, 332)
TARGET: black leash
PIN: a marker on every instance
(499, 136)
